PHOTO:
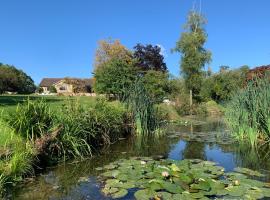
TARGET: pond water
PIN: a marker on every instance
(206, 139)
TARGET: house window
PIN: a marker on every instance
(63, 88)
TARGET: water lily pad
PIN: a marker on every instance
(99, 168)
(110, 166)
(109, 190)
(112, 173)
(248, 172)
(120, 193)
(172, 188)
(201, 185)
(163, 195)
(144, 194)
(236, 191)
(175, 168)
(266, 192)
(185, 179)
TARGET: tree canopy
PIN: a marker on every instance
(149, 57)
(15, 80)
(111, 49)
(114, 77)
(194, 55)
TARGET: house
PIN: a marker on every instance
(66, 85)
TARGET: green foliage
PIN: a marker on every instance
(222, 85)
(40, 90)
(157, 84)
(141, 106)
(32, 119)
(85, 128)
(185, 179)
(248, 113)
(114, 77)
(52, 89)
(149, 57)
(14, 80)
(194, 55)
(17, 159)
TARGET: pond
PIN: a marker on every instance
(206, 139)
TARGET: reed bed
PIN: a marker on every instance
(248, 113)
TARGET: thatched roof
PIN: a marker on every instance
(47, 82)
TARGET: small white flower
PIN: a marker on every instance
(165, 174)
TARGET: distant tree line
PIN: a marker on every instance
(15, 80)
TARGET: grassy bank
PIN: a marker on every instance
(43, 131)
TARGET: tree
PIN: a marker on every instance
(149, 57)
(111, 49)
(222, 85)
(52, 89)
(114, 77)
(14, 80)
(156, 84)
(194, 55)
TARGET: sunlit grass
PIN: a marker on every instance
(248, 113)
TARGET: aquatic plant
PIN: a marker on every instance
(248, 113)
(142, 109)
(185, 179)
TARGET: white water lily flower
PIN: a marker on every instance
(143, 162)
(165, 174)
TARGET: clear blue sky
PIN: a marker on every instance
(58, 38)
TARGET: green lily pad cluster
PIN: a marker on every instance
(207, 137)
(185, 179)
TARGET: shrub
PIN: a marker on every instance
(52, 89)
(248, 113)
(40, 90)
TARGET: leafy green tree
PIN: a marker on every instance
(114, 77)
(52, 89)
(156, 84)
(149, 57)
(14, 80)
(222, 85)
(194, 55)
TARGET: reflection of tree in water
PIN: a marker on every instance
(249, 157)
(194, 150)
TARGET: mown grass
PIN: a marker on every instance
(9, 103)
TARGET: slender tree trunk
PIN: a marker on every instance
(190, 101)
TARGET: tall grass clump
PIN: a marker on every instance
(32, 119)
(144, 114)
(17, 156)
(248, 113)
(87, 128)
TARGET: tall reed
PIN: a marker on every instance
(142, 109)
(248, 113)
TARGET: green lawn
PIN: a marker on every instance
(8, 103)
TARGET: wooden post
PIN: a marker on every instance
(190, 101)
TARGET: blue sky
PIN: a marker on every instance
(58, 38)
